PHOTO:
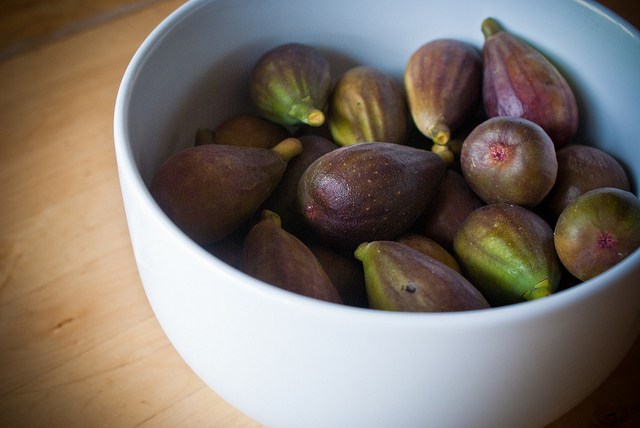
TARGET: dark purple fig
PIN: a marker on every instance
(508, 253)
(367, 105)
(400, 278)
(273, 255)
(443, 81)
(509, 160)
(368, 191)
(519, 81)
(209, 191)
(429, 247)
(284, 199)
(580, 169)
(597, 230)
(291, 85)
(246, 130)
(449, 207)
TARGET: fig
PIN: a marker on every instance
(508, 253)
(429, 247)
(509, 160)
(520, 81)
(597, 230)
(284, 199)
(367, 191)
(273, 255)
(243, 129)
(291, 84)
(209, 191)
(443, 81)
(449, 207)
(400, 278)
(582, 168)
(367, 105)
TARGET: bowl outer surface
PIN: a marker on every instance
(289, 361)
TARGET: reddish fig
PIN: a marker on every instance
(519, 81)
(246, 130)
(429, 247)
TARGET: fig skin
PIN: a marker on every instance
(443, 81)
(400, 278)
(367, 191)
(597, 230)
(291, 85)
(429, 247)
(209, 191)
(509, 160)
(367, 105)
(508, 253)
(273, 255)
(582, 168)
(519, 81)
(243, 129)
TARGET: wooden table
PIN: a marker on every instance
(79, 344)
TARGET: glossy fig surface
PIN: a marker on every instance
(597, 230)
(520, 81)
(400, 278)
(508, 253)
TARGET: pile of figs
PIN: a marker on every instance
(460, 188)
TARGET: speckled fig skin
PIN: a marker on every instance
(291, 85)
(429, 247)
(208, 191)
(400, 278)
(367, 191)
(273, 255)
(443, 81)
(367, 105)
(509, 160)
(598, 230)
(519, 81)
(243, 129)
(580, 169)
(508, 253)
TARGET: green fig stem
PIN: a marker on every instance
(362, 248)
(490, 27)
(542, 289)
(268, 215)
(288, 148)
(439, 132)
(307, 113)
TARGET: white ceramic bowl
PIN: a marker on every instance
(290, 361)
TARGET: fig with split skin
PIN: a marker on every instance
(597, 230)
(243, 129)
(273, 255)
(508, 253)
(400, 278)
(210, 190)
(443, 82)
(509, 160)
(291, 84)
(367, 191)
(519, 81)
(367, 105)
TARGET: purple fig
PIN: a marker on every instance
(597, 230)
(246, 130)
(443, 81)
(509, 160)
(519, 81)
(429, 247)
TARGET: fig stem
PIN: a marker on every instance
(439, 132)
(359, 252)
(307, 113)
(490, 27)
(288, 148)
(542, 289)
(268, 215)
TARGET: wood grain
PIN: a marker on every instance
(79, 344)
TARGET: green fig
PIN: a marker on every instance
(429, 247)
(367, 105)
(273, 255)
(208, 191)
(400, 278)
(508, 253)
(509, 160)
(367, 191)
(519, 81)
(291, 85)
(443, 82)
(243, 129)
(597, 230)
